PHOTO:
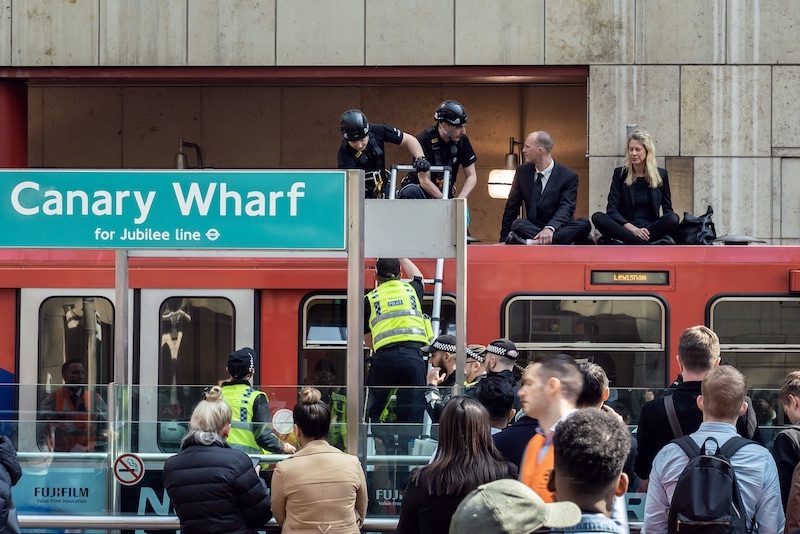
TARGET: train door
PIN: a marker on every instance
(186, 337)
(66, 355)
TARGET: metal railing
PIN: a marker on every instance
(122, 522)
(171, 522)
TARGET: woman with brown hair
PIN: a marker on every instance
(466, 458)
(319, 488)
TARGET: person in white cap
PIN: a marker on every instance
(511, 507)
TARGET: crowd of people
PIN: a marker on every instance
(639, 210)
(564, 462)
(511, 455)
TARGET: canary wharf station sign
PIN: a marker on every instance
(200, 209)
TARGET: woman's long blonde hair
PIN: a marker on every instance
(651, 167)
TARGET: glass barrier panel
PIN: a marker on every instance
(83, 482)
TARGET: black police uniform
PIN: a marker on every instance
(439, 152)
(372, 158)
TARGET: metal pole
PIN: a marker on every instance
(461, 292)
(356, 441)
(119, 405)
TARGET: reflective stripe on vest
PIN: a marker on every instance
(535, 473)
(395, 314)
(242, 398)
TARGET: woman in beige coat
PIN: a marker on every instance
(319, 488)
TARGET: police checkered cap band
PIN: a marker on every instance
(475, 355)
(446, 347)
(501, 351)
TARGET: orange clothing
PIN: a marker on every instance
(535, 473)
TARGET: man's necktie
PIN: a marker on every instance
(537, 189)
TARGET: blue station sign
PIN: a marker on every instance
(180, 209)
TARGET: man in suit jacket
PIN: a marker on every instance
(549, 192)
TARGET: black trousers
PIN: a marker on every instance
(663, 226)
(576, 229)
(400, 367)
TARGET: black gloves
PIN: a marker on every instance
(421, 164)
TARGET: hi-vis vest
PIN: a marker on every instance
(396, 315)
(242, 398)
(74, 427)
(535, 473)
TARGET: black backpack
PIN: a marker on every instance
(707, 497)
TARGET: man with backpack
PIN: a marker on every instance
(698, 353)
(713, 480)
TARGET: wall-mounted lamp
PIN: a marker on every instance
(500, 179)
(180, 157)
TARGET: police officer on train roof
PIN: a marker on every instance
(363, 148)
(445, 143)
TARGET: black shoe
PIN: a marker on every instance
(514, 239)
(666, 240)
(603, 240)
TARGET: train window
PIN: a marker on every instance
(76, 346)
(196, 336)
(760, 336)
(625, 335)
(323, 356)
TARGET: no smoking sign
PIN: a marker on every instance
(128, 469)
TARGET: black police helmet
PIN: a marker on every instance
(451, 112)
(354, 125)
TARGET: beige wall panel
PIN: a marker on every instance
(561, 111)
(494, 115)
(740, 191)
(725, 111)
(646, 96)
(231, 32)
(310, 32)
(5, 32)
(153, 119)
(54, 33)
(35, 126)
(786, 121)
(516, 28)
(310, 132)
(763, 32)
(589, 31)
(413, 32)
(680, 31)
(601, 170)
(242, 127)
(144, 32)
(789, 208)
(408, 108)
(681, 184)
(82, 127)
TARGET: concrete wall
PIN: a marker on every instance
(713, 80)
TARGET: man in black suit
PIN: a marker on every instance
(549, 192)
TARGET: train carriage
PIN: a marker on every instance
(623, 307)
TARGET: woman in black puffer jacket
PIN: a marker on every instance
(10, 473)
(213, 487)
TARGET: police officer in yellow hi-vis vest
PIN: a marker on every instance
(396, 328)
(251, 427)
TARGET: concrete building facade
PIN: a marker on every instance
(262, 83)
